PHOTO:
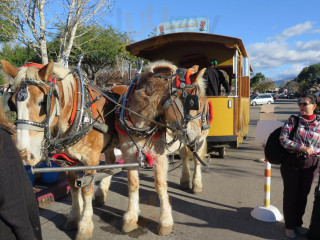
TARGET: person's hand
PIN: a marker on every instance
(307, 150)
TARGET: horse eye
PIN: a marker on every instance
(42, 103)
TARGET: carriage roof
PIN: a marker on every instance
(185, 48)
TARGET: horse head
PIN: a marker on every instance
(179, 97)
(38, 100)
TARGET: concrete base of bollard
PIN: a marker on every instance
(266, 214)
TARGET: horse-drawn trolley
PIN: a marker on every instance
(230, 114)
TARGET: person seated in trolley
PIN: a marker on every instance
(215, 78)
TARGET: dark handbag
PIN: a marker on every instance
(296, 159)
(273, 150)
(314, 228)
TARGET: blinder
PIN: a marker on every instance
(23, 93)
(7, 102)
(191, 103)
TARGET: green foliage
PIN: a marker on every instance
(18, 55)
(256, 79)
(310, 74)
(100, 47)
(308, 77)
(292, 86)
(2, 81)
(7, 29)
(264, 86)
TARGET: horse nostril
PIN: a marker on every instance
(30, 156)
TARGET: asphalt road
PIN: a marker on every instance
(233, 186)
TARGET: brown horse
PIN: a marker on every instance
(32, 85)
(161, 94)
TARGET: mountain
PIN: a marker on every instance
(281, 82)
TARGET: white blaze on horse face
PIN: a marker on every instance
(29, 141)
(194, 130)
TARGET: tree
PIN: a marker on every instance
(17, 55)
(256, 79)
(33, 28)
(264, 85)
(100, 48)
(292, 86)
(7, 30)
(308, 77)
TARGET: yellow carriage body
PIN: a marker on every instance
(185, 49)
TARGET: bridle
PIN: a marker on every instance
(181, 82)
(177, 82)
(52, 91)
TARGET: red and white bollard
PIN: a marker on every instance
(266, 212)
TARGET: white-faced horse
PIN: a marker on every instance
(46, 102)
(175, 98)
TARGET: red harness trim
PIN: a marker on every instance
(188, 74)
(210, 112)
(119, 129)
(149, 158)
(62, 156)
(74, 109)
(39, 66)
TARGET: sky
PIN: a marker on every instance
(281, 36)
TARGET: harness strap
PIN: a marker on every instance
(177, 102)
(22, 125)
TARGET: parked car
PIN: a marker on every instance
(283, 96)
(261, 99)
(291, 96)
(274, 95)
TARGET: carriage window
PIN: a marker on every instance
(246, 67)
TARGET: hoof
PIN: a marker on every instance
(71, 225)
(185, 185)
(164, 230)
(84, 235)
(197, 190)
(128, 227)
(99, 200)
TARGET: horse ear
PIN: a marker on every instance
(9, 68)
(197, 76)
(195, 68)
(46, 72)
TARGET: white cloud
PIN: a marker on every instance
(291, 72)
(275, 54)
(292, 31)
(283, 58)
(311, 45)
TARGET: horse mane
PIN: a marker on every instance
(167, 69)
(62, 72)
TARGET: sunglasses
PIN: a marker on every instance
(303, 104)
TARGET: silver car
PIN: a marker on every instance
(261, 99)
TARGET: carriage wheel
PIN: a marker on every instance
(222, 153)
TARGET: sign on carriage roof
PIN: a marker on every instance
(184, 25)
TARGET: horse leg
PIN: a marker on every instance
(77, 202)
(85, 229)
(185, 176)
(166, 221)
(130, 218)
(102, 191)
(197, 177)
